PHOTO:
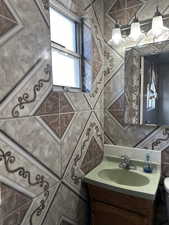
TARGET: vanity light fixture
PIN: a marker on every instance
(116, 35)
(157, 23)
(157, 32)
(135, 32)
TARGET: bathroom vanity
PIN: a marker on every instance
(122, 197)
(114, 208)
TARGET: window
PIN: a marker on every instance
(151, 90)
(66, 50)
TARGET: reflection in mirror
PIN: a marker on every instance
(147, 84)
(155, 86)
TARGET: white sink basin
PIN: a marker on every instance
(133, 182)
(124, 177)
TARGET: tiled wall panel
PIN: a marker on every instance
(48, 140)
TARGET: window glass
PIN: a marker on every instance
(63, 30)
(65, 69)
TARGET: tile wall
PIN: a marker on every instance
(48, 140)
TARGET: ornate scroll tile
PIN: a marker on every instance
(93, 126)
(26, 99)
(71, 138)
(112, 62)
(97, 88)
(158, 141)
(19, 50)
(87, 155)
(36, 214)
(71, 209)
(36, 140)
(9, 159)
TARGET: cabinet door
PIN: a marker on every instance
(103, 214)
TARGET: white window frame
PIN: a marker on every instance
(78, 53)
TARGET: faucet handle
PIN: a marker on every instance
(125, 158)
(126, 163)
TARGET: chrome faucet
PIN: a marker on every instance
(126, 163)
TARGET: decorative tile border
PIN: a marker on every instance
(25, 98)
(96, 89)
(159, 140)
(76, 179)
(8, 160)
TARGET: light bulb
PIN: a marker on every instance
(135, 32)
(116, 35)
(157, 25)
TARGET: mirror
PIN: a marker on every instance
(147, 84)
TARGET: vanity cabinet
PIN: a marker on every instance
(114, 208)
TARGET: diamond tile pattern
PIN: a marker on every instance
(59, 113)
(5, 12)
(117, 110)
(7, 20)
(55, 102)
(95, 151)
(65, 106)
(54, 123)
(50, 104)
(13, 206)
(124, 10)
(58, 123)
(65, 120)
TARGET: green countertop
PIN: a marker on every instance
(147, 191)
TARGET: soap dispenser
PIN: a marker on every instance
(148, 165)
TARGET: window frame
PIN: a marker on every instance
(78, 39)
